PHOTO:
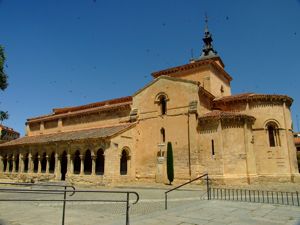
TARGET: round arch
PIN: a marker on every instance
(124, 160)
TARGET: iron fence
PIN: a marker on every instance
(65, 189)
(257, 196)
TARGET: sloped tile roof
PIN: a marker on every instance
(116, 106)
(297, 140)
(174, 71)
(103, 132)
(253, 97)
(218, 114)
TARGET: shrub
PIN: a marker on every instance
(170, 166)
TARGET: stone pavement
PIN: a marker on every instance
(186, 207)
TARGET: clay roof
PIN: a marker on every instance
(90, 108)
(8, 128)
(297, 140)
(253, 97)
(102, 132)
(218, 115)
(167, 78)
(93, 105)
(199, 63)
(205, 92)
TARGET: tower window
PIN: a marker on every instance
(222, 89)
(163, 104)
(212, 147)
(273, 135)
(163, 135)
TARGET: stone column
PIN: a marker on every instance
(30, 162)
(71, 164)
(1, 164)
(81, 164)
(14, 164)
(27, 129)
(40, 164)
(69, 171)
(47, 164)
(7, 165)
(57, 166)
(94, 165)
(59, 124)
(21, 163)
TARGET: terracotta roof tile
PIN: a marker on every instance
(218, 114)
(199, 63)
(93, 105)
(116, 106)
(113, 103)
(102, 132)
(253, 97)
(297, 140)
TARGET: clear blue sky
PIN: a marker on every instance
(72, 52)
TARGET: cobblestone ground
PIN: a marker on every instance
(187, 206)
(31, 213)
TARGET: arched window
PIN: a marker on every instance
(44, 162)
(26, 163)
(77, 162)
(163, 135)
(88, 162)
(100, 162)
(163, 104)
(273, 134)
(17, 163)
(52, 163)
(212, 147)
(36, 163)
(123, 162)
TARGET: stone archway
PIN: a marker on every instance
(36, 163)
(123, 163)
(88, 162)
(100, 161)
(44, 162)
(52, 162)
(26, 161)
(77, 162)
(63, 165)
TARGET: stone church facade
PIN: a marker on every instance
(243, 138)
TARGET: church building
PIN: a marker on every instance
(237, 139)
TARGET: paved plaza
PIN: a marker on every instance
(186, 207)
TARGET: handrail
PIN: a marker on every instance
(64, 200)
(41, 185)
(188, 182)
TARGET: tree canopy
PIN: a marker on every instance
(3, 81)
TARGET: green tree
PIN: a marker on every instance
(3, 81)
(170, 165)
(3, 116)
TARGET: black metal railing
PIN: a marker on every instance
(257, 196)
(197, 178)
(64, 191)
